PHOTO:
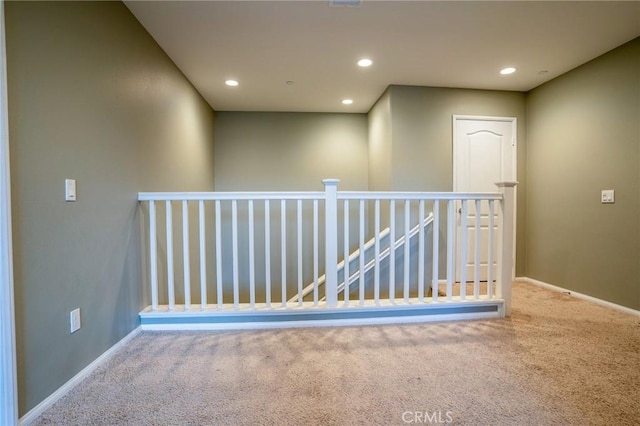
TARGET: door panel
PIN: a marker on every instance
(484, 160)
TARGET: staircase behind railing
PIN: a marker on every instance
(387, 251)
(273, 256)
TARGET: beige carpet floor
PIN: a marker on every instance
(556, 361)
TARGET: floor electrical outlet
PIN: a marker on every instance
(74, 317)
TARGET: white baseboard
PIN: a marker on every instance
(592, 299)
(36, 411)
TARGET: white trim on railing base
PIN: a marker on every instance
(36, 411)
(575, 294)
(306, 316)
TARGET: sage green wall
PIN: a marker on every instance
(380, 135)
(421, 157)
(583, 136)
(91, 97)
(280, 151)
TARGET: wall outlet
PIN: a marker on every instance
(74, 319)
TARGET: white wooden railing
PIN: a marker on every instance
(286, 251)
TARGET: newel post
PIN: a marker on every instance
(506, 246)
(331, 241)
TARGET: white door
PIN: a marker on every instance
(484, 152)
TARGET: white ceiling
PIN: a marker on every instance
(264, 44)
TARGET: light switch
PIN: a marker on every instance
(70, 190)
(608, 196)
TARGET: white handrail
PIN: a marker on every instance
(289, 195)
(417, 196)
(228, 196)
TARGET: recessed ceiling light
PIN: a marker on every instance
(232, 83)
(507, 71)
(365, 62)
(347, 101)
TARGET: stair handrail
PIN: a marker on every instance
(385, 253)
(353, 256)
(356, 254)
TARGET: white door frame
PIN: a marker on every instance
(514, 124)
(8, 372)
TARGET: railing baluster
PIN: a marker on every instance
(219, 294)
(299, 252)
(153, 253)
(185, 255)
(315, 253)
(376, 276)
(392, 251)
(267, 253)
(407, 258)
(435, 233)
(234, 253)
(252, 266)
(451, 223)
(170, 283)
(346, 272)
(361, 256)
(491, 250)
(464, 240)
(476, 263)
(203, 257)
(283, 251)
(421, 251)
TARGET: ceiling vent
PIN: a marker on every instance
(345, 3)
